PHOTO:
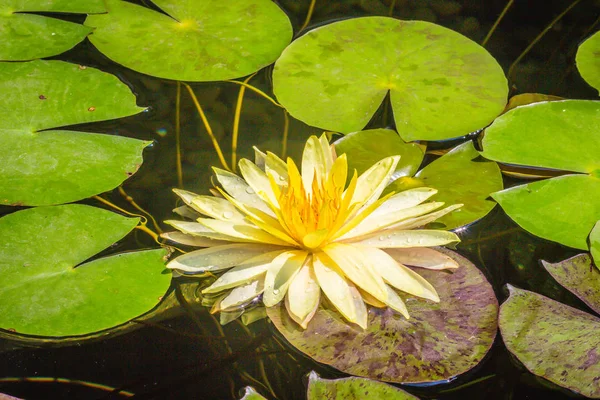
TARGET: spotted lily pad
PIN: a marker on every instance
(595, 244)
(366, 148)
(441, 83)
(192, 41)
(26, 36)
(588, 60)
(42, 167)
(552, 340)
(47, 288)
(352, 388)
(579, 277)
(439, 341)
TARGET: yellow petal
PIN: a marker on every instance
(303, 295)
(276, 167)
(362, 315)
(417, 222)
(357, 268)
(244, 272)
(315, 238)
(258, 181)
(328, 152)
(377, 222)
(217, 258)
(356, 219)
(280, 274)
(423, 257)
(405, 199)
(190, 240)
(185, 195)
(241, 295)
(196, 229)
(334, 285)
(397, 275)
(313, 163)
(371, 183)
(396, 303)
(247, 233)
(240, 190)
(393, 238)
(370, 300)
(259, 158)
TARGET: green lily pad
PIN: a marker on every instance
(563, 135)
(251, 394)
(442, 84)
(460, 176)
(552, 340)
(365, 148)
(208, 41)
(43, 167)
(25, 36)
(595, 244)
(352, 388)
(577, 275)
(45, 289)
(557, 209)
(439, 341)
(588, 60)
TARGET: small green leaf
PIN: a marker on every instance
(577, 276)
(251, 394)
(552, 340)
(210, 40)
(557, 209)
(595, 244)
(441, 83)
(43, 167)
(460, 176)
(563, 135)
(438, 342)
(365, 148)
(588, 60)
(45, 289)
(352, 388)
(25, 36)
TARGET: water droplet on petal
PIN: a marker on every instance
(227, 214)
(282, 178)
(249, 190)
(381, 237)
(275, 291)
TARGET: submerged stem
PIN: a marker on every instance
(286, 128)
(178, 135)
(497, 22)
(236, 122)
(309, 14)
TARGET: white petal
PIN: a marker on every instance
(244, 272)
(240, 190)
(405, 199)
(248, 233)
(241, 295)
(417, 222)
(302, 299)
(217, 258)
(185, 195)
(396, 303)
(362, 315)
(276, 167)
(371, 183)
(190, 240)
(334, 285)
(393, 238)
(217, 208)
(186, 212)
(280, 274)
(196, 229)
(258, 181)
(423, 257)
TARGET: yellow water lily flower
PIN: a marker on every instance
(294, 236)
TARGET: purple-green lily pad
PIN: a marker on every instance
(588, 60)
(595, 244)
(578, 276)
(552, 340)
(365, 148)
(210, 40)
(352, 388)
(441, 83)
(439, 341)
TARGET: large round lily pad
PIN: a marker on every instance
(439, 341)
(352, 388)
(563, 135)
(192, 41)
(552, 340)
(366, 148)
(557, 209)
(441, 83)
(45, 289)
(588, 60)
(42, 167)
(461, 176)
(577, 275)
(26, 36)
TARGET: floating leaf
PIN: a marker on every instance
(562, 135)
(595, 244)
(524, 99)
(352, 388)
(208, 41)
(441, 83)
(439, 341)
(588, 60)
(366, 148)
(579, 277)
(461, 176)
(45, 289)
(42, 167)
(552, 340)
(251, 394)
(557, 209)
(25, 36)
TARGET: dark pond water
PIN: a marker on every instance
(190, 355)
